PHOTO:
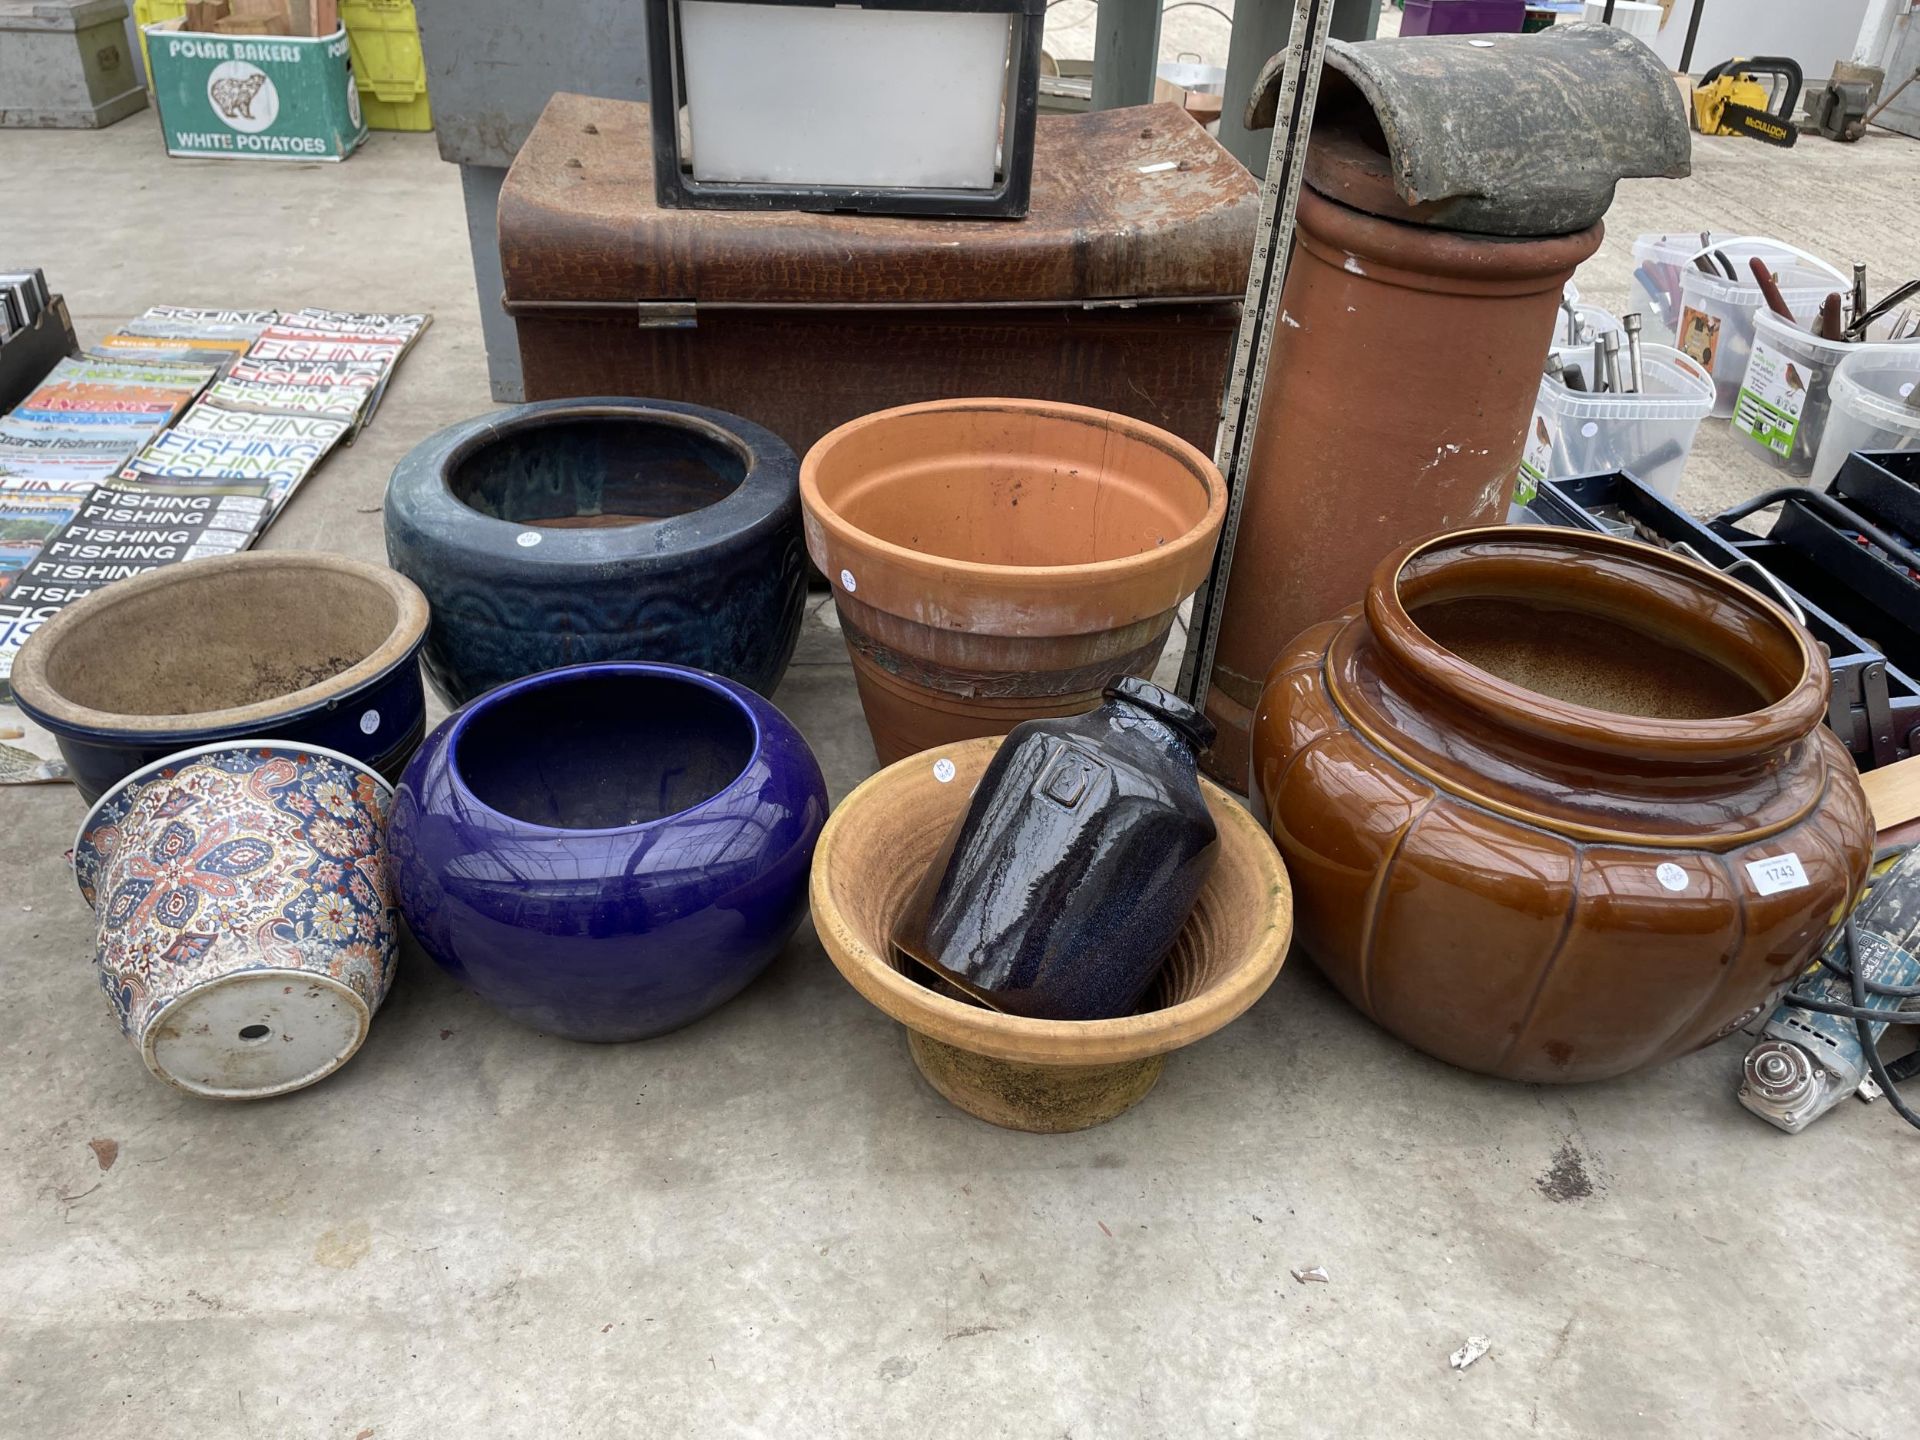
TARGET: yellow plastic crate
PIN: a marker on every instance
(152, 12)
(388, 67)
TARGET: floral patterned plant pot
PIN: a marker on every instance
(246, 922)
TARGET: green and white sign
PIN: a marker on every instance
(255, 97)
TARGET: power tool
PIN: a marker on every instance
(1733, 99)
(1822, 1043)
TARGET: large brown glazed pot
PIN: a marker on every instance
(1403, 374)
(993, 561)
(1556, 805)
(1039, 1075)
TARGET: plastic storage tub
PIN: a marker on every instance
(1649, 434)
(388, 64)
(1463, 17)
(1876, 406)
(1717, 316)
(1659, 259)
(1785, 399)
(788, 94)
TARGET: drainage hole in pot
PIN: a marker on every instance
(1587, 660)
(254, 1032)
(603, 751)
(595, 471)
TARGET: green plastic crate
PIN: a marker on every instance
(152, 12)
(388, 63)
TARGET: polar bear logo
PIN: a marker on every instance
(234, 97)
(243, 96)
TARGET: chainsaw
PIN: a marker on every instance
(1733, 99)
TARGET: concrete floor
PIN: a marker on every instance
(766, 1225)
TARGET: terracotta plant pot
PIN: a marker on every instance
(246, 926)
(1039, 1075)
(315, 648)
(1559, 806)
(994, 561)
(1449, 331)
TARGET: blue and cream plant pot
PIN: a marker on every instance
(289, 645)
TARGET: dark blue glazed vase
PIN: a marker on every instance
(262, 645)
(574, 531)
(1060, 889)
(608, 852)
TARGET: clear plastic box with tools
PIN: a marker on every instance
(1649, 433)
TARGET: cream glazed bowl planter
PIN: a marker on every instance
(246, 930)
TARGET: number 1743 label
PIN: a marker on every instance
(1777, 873)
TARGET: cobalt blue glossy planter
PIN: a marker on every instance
(608, 852)
(263, 645)
(574, 531)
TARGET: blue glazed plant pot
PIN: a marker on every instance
(575, 531)
(608, 852)
(266, 645)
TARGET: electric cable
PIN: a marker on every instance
(1906, 1067)
(1196, 5)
